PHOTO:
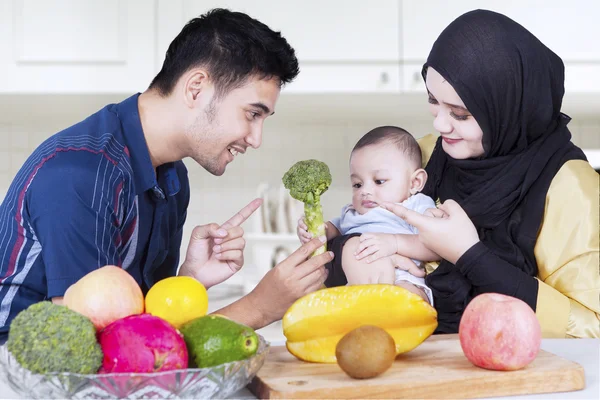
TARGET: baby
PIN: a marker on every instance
(385, 166)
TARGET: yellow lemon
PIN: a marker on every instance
(177, 300)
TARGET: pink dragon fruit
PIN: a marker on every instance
(142, 343)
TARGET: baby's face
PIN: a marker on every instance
(379, 173)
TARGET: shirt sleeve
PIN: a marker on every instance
(423, 203)
(567, 254)
(337, 221)
(488, 273)
(418, 203)
(73, 203)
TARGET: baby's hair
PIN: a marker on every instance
(405, 142)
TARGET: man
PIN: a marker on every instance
(112, 189)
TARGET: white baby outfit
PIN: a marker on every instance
(379, 220)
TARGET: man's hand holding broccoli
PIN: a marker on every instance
(307, 180)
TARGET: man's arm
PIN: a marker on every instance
(245, 311)
(294, 277)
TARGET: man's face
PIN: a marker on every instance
(227, 126)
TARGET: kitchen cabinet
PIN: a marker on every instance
(570, 29)
(117, 46)
(72, 46)
(341, 47)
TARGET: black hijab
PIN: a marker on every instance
(513, 86)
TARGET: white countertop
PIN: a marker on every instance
(585, 352)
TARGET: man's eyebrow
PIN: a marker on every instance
(263, 107)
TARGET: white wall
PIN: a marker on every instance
(215, 198)
(285, 140)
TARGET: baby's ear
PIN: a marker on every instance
(417, 181)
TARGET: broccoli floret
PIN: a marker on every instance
(307, 180)
(48, 337)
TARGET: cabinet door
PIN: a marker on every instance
(341, 47)
(569, 28)
(332, 30)
(73, 46)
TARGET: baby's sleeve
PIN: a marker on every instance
(418, 203)
(337, 221)
(422, 203)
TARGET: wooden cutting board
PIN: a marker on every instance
(435, 369)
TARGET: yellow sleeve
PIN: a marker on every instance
(567, 254)
(427, 143)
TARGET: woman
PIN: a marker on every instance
(519, 211)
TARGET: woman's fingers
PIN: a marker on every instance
(451, 207)
(410, 216)
(436, 213)
(407, 264)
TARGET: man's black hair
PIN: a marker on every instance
(232, 47)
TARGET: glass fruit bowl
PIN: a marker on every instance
(220, 381)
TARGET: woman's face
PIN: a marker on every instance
(461, 134)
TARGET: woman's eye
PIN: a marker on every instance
(379, 181)
(459, 117)
(431, 100)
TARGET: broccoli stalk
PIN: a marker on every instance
(307, 180)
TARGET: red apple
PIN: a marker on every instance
(499, 332)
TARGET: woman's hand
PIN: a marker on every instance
(449, 233)
(406, 264)
(289, 280)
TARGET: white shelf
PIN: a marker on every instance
(272, 237)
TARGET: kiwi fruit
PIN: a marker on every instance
(365, 352)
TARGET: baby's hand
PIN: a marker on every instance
(302, 231)
(376, 246)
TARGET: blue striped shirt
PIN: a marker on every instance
(87, 197)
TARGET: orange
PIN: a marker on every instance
(177, 300)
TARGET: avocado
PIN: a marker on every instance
(213, 340)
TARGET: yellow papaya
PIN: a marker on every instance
(315, 323)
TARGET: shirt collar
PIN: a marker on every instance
(136, 146)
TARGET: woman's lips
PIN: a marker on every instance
(450, 141)
(369, 204)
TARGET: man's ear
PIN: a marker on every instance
(417, 181)
(195, 83)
